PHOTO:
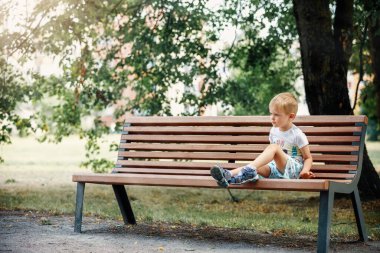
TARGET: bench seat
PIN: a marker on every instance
(315, 185)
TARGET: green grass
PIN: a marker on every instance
(374, 153)
(269, 212)
(38, 177)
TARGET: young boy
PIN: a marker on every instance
(287, 156)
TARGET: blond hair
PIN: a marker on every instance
(285, 101)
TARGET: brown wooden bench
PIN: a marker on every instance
(179, 151)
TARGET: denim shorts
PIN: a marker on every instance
(292, 169)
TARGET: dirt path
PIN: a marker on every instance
(33, 232)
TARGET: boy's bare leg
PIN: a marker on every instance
(264, 171)
(272, 152)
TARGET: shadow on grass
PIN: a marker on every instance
(227, 235)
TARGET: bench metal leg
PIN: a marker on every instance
(233, 198)
(124, 204)
(324, 223)
(79, 207)
(356, 203)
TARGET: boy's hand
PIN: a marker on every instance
(307, 175)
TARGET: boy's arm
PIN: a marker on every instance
(307, 162)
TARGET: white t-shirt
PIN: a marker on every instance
(291, 141)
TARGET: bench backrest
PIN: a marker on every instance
(191, 145)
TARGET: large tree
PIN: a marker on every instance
(326, 48)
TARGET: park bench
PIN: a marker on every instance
(179, 151)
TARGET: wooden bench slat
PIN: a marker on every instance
(180, 171)
(333, 148)
(231, 139)
(233, 130)
(207, 165)
(327, 120)
(196, 139)
(189, 155)
(334, 158)
(200, 181)
(172, 164)
(229, 148)
(224, 156)
(334, 167)
(334, 175)
(177, 171)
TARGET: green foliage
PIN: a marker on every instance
(99, 165)
(10, 181)
(368, 105)
(364, 18)
(264, 73)
(169, 44)
(262, 65)
(13, 91)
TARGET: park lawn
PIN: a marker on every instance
(373, 148)
(38, 177)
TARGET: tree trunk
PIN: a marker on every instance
(369, 185)
(325, 51)
(324, 61)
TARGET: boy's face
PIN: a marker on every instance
(281, 119)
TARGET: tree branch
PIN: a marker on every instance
(17, 47)
(343, 26)
(361, 70)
